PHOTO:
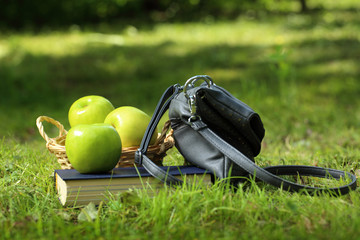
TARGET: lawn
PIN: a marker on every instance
(298, 71)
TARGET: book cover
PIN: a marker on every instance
(77, 189)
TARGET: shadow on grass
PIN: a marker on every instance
(137, 75)
(331, 18)
(132, 75)
(127, 75)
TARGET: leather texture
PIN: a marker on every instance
(269, 175)
(205, 144)
(230, 118)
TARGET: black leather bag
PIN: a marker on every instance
(216, 131)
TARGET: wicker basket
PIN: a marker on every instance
(56, 145)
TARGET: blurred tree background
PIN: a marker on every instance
(295, 62)
(21, 14)
(299, 56)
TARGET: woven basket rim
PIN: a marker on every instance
(56, 145)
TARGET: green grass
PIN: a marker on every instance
(299, 72)
(29, 208)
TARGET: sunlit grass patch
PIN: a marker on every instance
(298, 71)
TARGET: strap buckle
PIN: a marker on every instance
(138, 157)
(191, 82)
(192, 105)
(191, 99)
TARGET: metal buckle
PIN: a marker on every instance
(191, 99)
(191, 82)
(192, 105)
(138, 157)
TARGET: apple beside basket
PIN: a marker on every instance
(155, 152)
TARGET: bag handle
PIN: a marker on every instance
(140, 154)
(268, 174)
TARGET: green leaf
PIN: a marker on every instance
(130, 198)
(88, 213)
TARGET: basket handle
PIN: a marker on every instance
(39, 121)
(163, 134)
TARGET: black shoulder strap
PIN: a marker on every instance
(140, 154)
(269, 175)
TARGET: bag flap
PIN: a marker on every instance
(230, 118)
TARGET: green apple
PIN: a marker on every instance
(93, 148)
(89, 109)
(131, 124)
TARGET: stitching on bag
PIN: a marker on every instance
(246, 168)
(214, 98)
(252, 133)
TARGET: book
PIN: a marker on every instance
(75, 189)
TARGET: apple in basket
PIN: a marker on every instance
(93, 148)
(130, 123)
(89, 109)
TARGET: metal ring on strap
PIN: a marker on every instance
(191, 81)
